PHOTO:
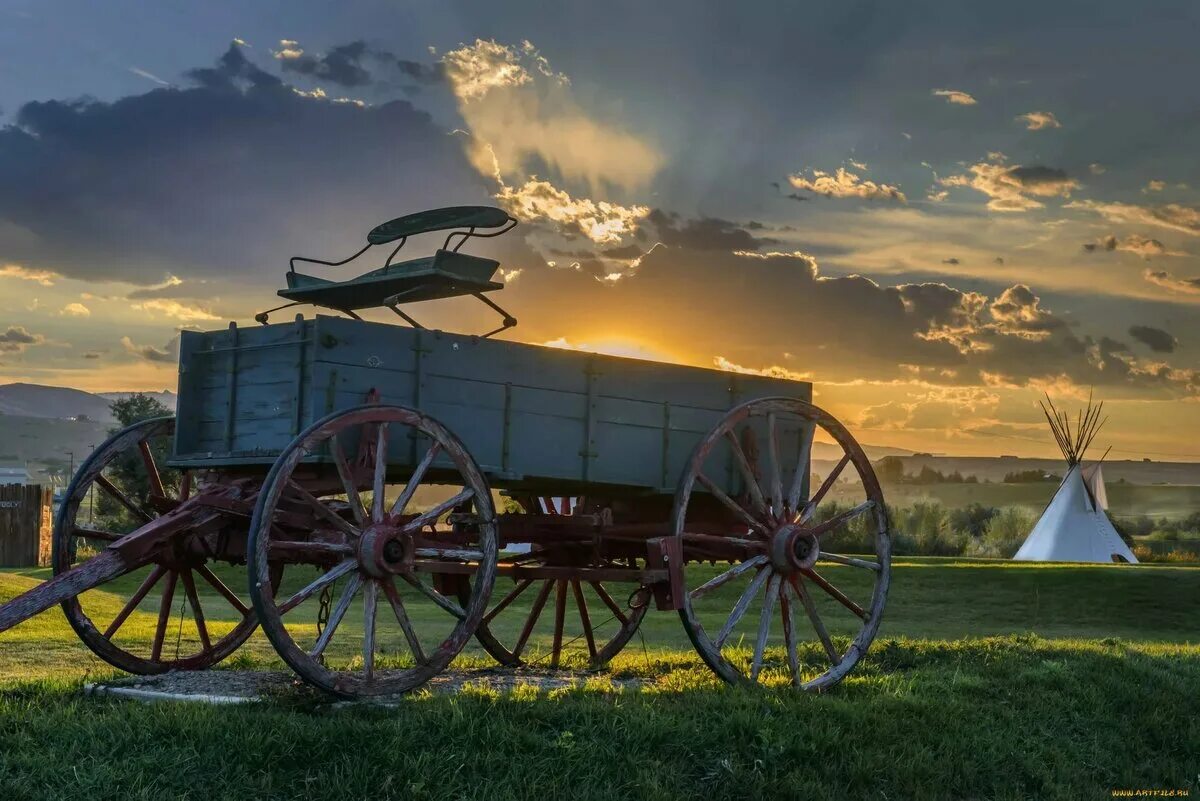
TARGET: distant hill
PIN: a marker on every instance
(35, 400)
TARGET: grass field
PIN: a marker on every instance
(988, 680)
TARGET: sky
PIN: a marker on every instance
(936, 212)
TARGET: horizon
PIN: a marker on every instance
(933, 214)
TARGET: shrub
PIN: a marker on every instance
(1004, 533)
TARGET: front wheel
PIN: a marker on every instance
(360, 615)
(758, 546)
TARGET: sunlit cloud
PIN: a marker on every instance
(1154, 186)
(1039, 120)
(42, 277)
(1174, 216)
(1166, 280)
(771, 371)
(600, 221)
(1133, 243)
(522, 113)
(167, 354)
(845, 184)
(955, 97)
(175, 310)
(76, 310)
(1010, 187)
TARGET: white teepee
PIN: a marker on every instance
(1074, 527)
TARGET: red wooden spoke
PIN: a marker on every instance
(807, 435)
(560, 611)
(522, 585)
(414, 480)
(313, 551)
(353, 584)
(435, 596)
(810, 608)
(583, 618)
(346, 474)
(739, 456)
(94, 534)
(189, 586)
(837, 521)
(122, 498)
(609, 602)
(743, 603)
(534, 613)
(138, 596)
(321, 510)
(185, 485)
(369, 597)
(850, 560)
(156, 485)
(733, 505)
(377, 499)
(773, 460)
(811, 506)
(837, 594)
(764, 625)
(728, 575)
(164, 615)
(414, 645)
(220, 587)
(789, 633)
(426, 518)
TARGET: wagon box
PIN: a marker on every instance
(350, 470)
(535, 418)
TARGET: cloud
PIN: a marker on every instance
(341, 65)
(1155, 339)
(524, 119)
(1154, 186)
(955, 97)
(705, 233)
(1039, 120)
(141, 73)
(76, 310)
(1133, 243)
(1162, 278)
(1173, 216)
(1095, 168)
(175, 310)
(1010, 187)
(16, 338)
(845, 184)
(268, 174)
(167, 354)
(42, 277)
(951, 260)
(772, 371)
(600, 221)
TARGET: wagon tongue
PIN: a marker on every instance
(126, 554)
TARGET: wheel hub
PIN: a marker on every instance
(793, 548)
(384, 549)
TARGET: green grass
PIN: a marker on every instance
(988, 680)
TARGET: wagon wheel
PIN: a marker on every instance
(120, 487)
(369, 622)
(589, 616)
(785, 551)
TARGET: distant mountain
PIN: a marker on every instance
(35, 400)
(166, 397)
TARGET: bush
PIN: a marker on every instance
(972, 520)
(1003, 534)
(928, 526)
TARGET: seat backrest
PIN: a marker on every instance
(438, 220)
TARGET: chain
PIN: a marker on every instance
(323, 615)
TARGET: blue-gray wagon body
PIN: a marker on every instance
(536, 418)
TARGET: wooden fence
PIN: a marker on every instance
(25, 524)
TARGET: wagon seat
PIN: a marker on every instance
(447, 273)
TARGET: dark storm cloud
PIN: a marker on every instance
(16, 338)
(1037, 175)
(1155, 339)
(341, 65)
(421, 73)
(228, 177)
(704, 233)
(951, 260)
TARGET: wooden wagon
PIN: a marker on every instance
(395, 493)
